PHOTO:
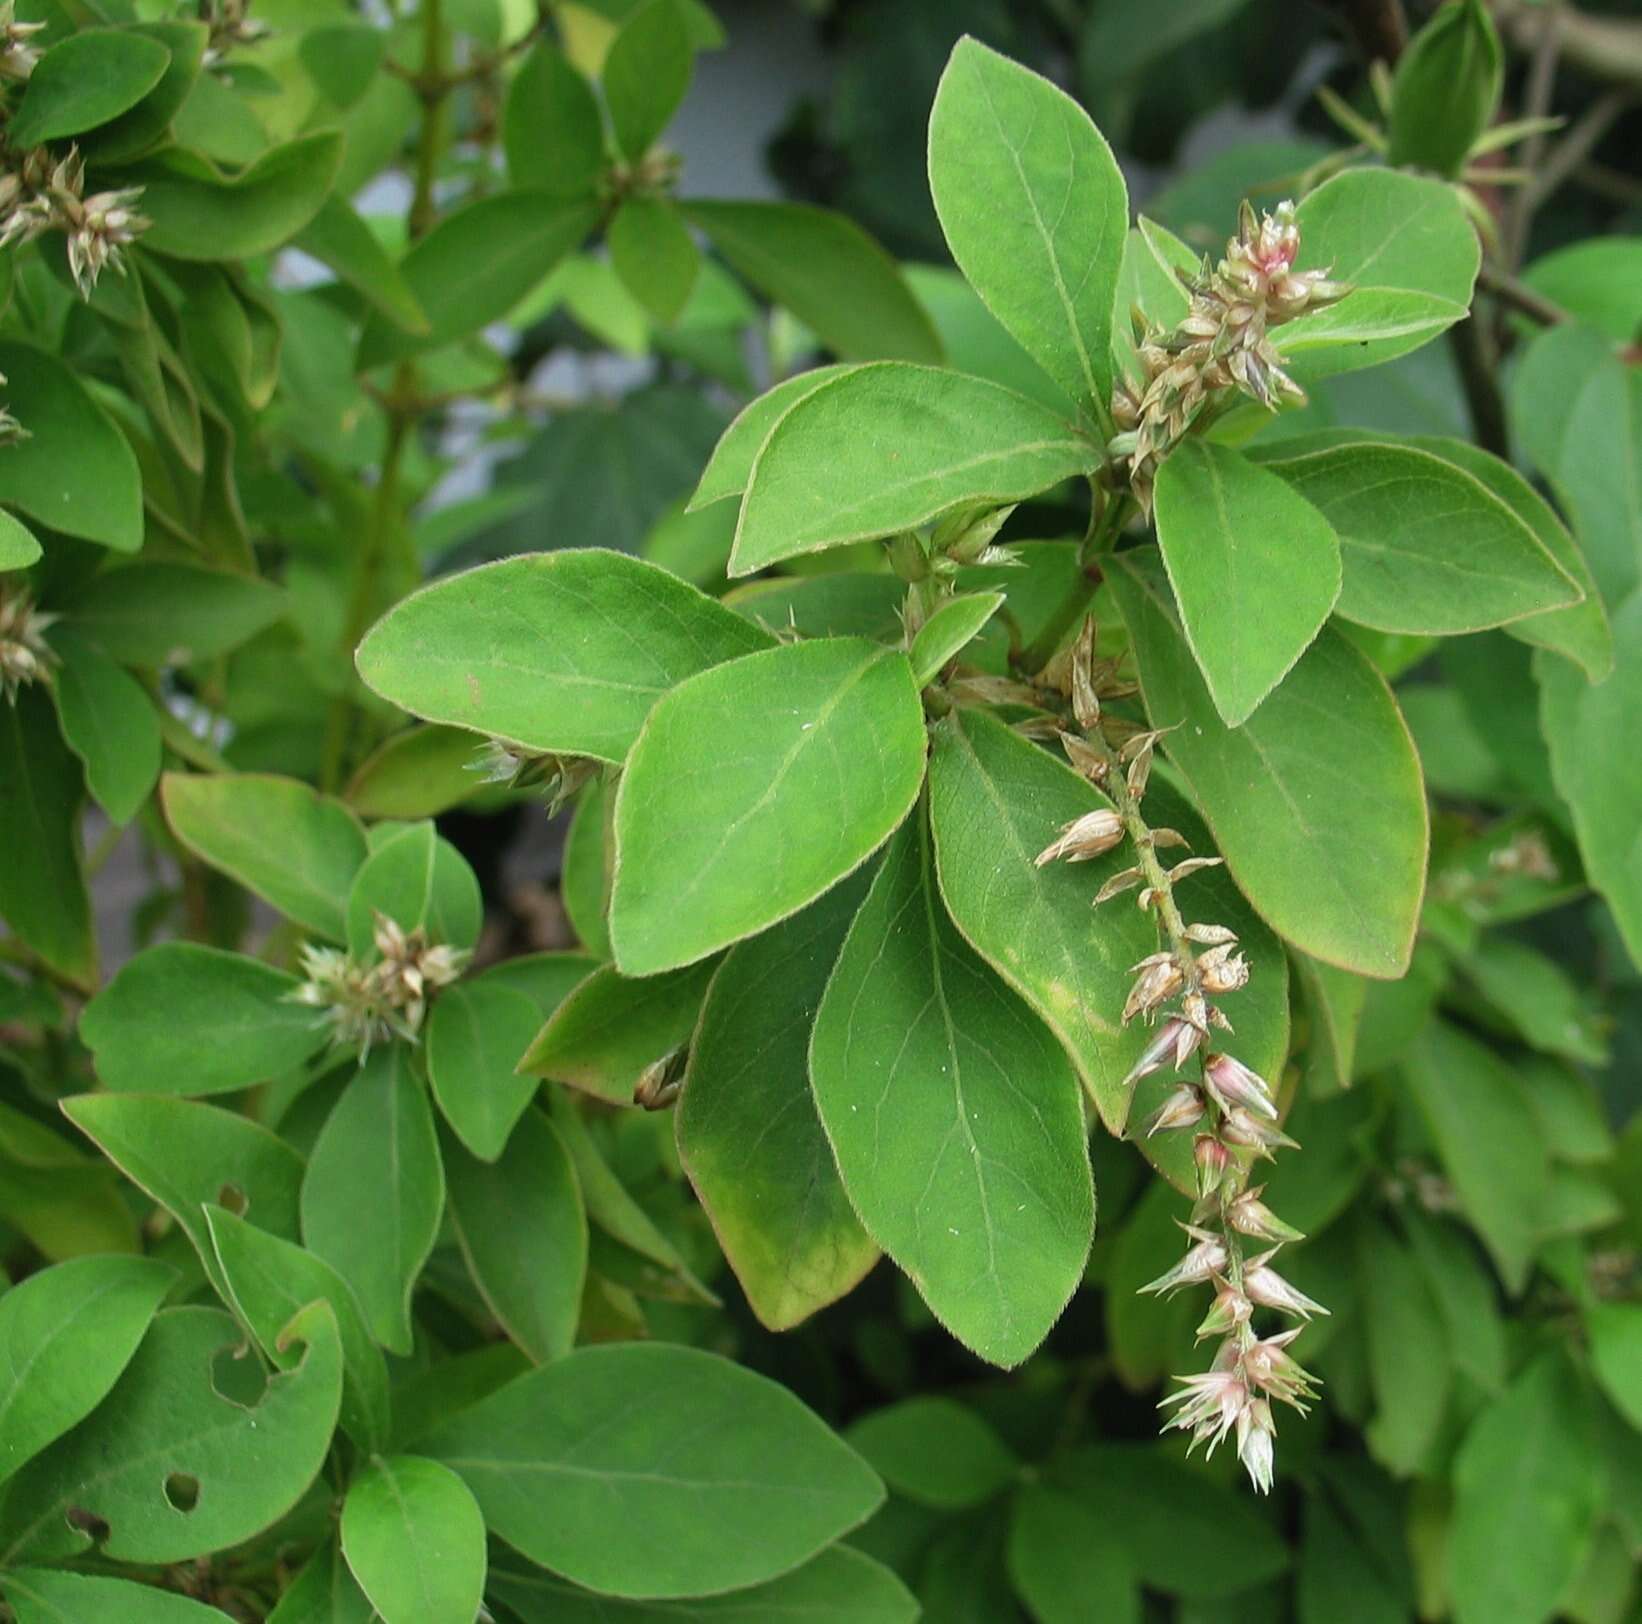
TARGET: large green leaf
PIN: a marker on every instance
(1316, 802)
(1528, 1489)
(746, 1481)
(731, 464)
(646, 72)
(1063, 1559)
(1035, 212)
(828, 272)
(324, 1592)
(167, 612)
(42, 887)
(477, 1035)
(415, 1540)
(181, 1018)
(748, 1134)
(996, 800)
(1228, 530)
(52, 1596)
(558, 651)
(269, 1280)
(295, 848)
(882, 449)
(86, 80)
(734, 811)
(1427, 546)
(108, 722)
(170, 1466)
(1592, 734)
(66, 1333)
(523, 1231)
(953, 1115)
(379, 1137)
(551, 128)
(75, 472)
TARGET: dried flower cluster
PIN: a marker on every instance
(1228, 1108)
(17, 52)
(25, 656)
(41, 193)
(555, 777)
(371, 1003)
(1221, 347)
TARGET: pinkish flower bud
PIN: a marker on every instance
(1158, 1053)
(1212, 1161)
(1182, 1109)
(1264, 1285)
(1240, 1127)
(1269, 1366)
(1159, 980)
(1249, 1215)
(1231, 1084)
(1210, 1406)
(1229, 1310)
(1205, 1260)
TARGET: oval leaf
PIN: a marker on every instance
(109, 723)
(414, 1538)
(477, 1035)
(84, 81)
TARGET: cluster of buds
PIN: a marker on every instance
(17, 54)
(386, 998)
(25, 656)
(39, 194)
(231, 24)
(555, 777)
(1222, 346)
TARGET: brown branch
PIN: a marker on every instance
(1378, 26)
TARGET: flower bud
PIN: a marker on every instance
(1158, 981)
(1250, 1216)
(1222, 970)
(1264, 1285)
(1212, 1161)
(1174, 1042)
(1182, 1109)
(1446, 89)
(1211, 1404)
(1268, 1366)
(1255, 1432)
(1201, 1263)
(1232, 1084)
(1240, 1127)
(1092, 835)
(1229, 1310)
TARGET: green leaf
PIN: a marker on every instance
(1615, 1332)
(1591, 731)
(173, 1467)
(477, 1034)
(828, 272)
(172, 613)
(1598, 280)
(996, 800)
(936, 1452)
(475, 265)
(184, 1154)
(883, 449)
(547, 979)
(295, 848)
(74, 473)
(136, 132)
(180, 1018)
(1316, 803)
(199, 215)
(1462, 1288)
(713, 845)
(415, 1540)
(66, 1333)
(1408, 1358)
(646, 72)
(746, 1481)
(379, 1137)
(523, 1232)
(841, 1583)
(948, 632)
(612, 1026)
(1528, 1488)
(108, 722)
(324, 1593)
(1427, 546)
(1035, 211)
(51, 1596)
(339, 238)
(18, 548)
(654, 254)
(749, 1138)
(1537, 999)
(417, 773)
(269, 1280)
(64, 1203)
(421, 882)
(731, 464)
(1488, 1138)
(953, 1115)
(86, 80)
(523, 649)
(584, 874)
(1064, 1561)
(551, 128)
(42, 887)
(1227, 530)
(1407, 248)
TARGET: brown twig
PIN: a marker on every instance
(1514, 295)
(1379, 27)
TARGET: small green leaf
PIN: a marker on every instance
(948, 631)
(1227, 530)
(66, 1333)
(421, 882)
(612, 1026)
(1597, 279)
(711, 848)
(295, 848)
(522, 649)
(1316, 803)
(379, 1137)
(417, 773)
(75, 472)
(86, 80)
(749, 1138)
(1035, 212)
(476, 1037)
(269, 1280)
(547, 979)
(828, 272)
(885, 448)
(324, 1592)
(167, 612)
(18, 548)
(747, 1482)
(654, 255)
(1615, 1332)
(133, 134)
(170, 1465)
(523, 1231)
(731, 464)
(415, 1540)
(1408, 1359)
(646, 72)
(1465, 1295)
(954, 1117)
(1064, 1560)
(51, 1596)
(551, 128)
(935, 1451)
(584, 876)
(180, 1018)
(108, 722)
